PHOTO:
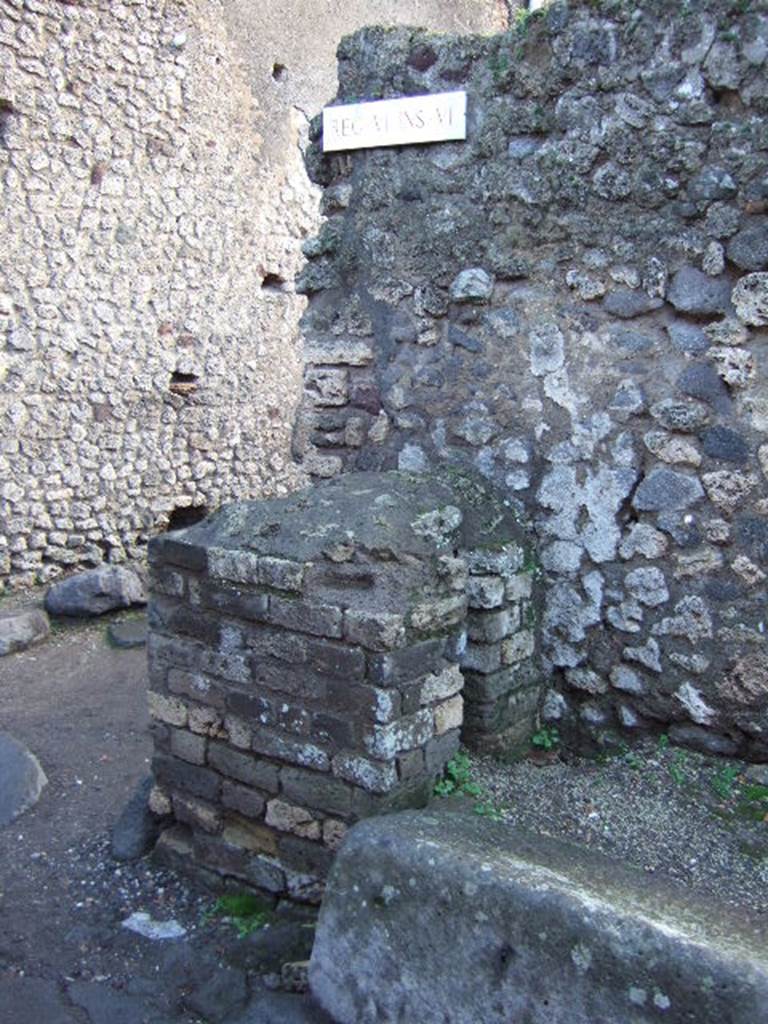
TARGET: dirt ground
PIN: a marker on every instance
(79, 705)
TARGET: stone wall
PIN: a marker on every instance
(313, 659)
(574, 302)
(154, 204)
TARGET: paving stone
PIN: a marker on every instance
(35, 1000)
(21, 779)
(131, 633)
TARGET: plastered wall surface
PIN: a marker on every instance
(154, 205)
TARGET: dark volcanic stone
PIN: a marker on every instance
(21, 778)
(626, 303)
(688, 337)
(725, 444)
(136, 830)
(95, 592)
(666, 490)
(701, 381)
(748, 249)
(693, 291)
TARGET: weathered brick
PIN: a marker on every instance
(333, 833)
(281, 573)
(485, 688)
(243, 767)
(485, 591)
(233, 667)
(335, 659)
(166, 549)
(449, 715)
(384, 742)
(283, 748)
(175, 774)
(322, 792)
(294, 680)
(170, 710)
(243, 799)
(374, 776)
(287, 817)
(250, 835)
(499, 562)
(173, 617)
(518, 647)
(205, 721)
(406, 664)
(233, 564)
(173, 651)
(188, 746)
(159, 802)
(363, 702)
(519, 586)
(439, 614)
(410, 763)
(304, 856)
(305, 617)
(332, 729)
(374, 631)
(440, 750)
(242, 604)
(166, 581)
(280, 644)
(238, 732)
(441, 685)
(240, 861)
(486, 627)
(483, 658)
(196, 686)
(197, 813)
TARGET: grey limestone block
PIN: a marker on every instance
(520, 927)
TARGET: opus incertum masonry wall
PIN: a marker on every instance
(574, 304)
(313, 658)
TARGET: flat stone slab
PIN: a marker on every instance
(445, 916)
(21, 629)
(21, 779)
(131, 633)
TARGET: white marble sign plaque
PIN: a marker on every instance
(400, 122)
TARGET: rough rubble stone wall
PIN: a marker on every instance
(574, 302)
(154, 204)
(313, 659)
(144, 367)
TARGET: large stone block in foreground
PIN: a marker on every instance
(443, 918)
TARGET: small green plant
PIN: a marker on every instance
(486, 809)
(545, 738)
(663, 743)
(723, 781)
(457, 778)
(246, 912)
(753, 803)
(457, 781)
(677, 768)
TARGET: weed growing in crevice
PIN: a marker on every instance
(457, 781)
(243, 910)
